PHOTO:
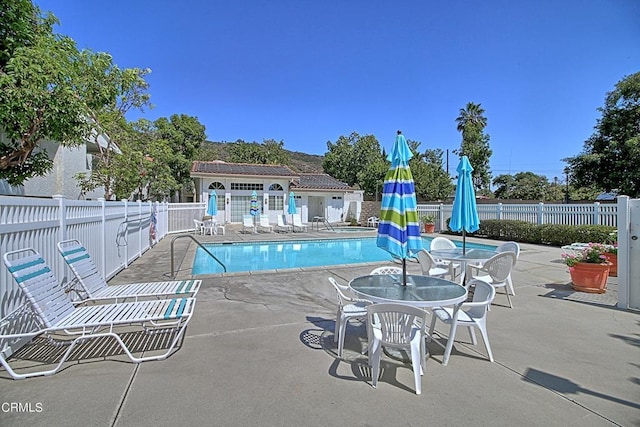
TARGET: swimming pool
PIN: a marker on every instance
(260, 256)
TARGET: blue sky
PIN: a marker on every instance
(308, 72)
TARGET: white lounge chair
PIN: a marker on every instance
(247, 223)
(281, 226)
(57, 316)
(89, 285)
(264, 223)
(297, 223)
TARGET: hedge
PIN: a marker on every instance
(545, 234)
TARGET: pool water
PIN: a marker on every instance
(259, 256)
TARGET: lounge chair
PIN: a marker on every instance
(297, 223)
(264, 224)
(574, 248)
(281, 226)
(247, 223)
(89, 285)
(64, 323)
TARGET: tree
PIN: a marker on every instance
(48, 90)
(432, 182)
(610, 159)
(184, 135)
(522, 186)
(475, 144)
(357, 160)
(339, 160)
(269, 152)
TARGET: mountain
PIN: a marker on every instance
(299, 162)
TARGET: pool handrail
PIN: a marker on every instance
(173, 275)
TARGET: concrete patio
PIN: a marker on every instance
(260, 351)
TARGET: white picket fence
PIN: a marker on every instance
(115, 233)
(540, 213)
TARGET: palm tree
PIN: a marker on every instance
(471, 116)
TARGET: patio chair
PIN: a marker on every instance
(297, 223)
(574, 248)
(198, 226)
(397, 326)
(264, 223)
(66, 324)
(281, 226)
(372, 221)
(247, 223)
(349, 308)
(431, 267)
(471, 314)
(386, 270)
(90, 285)
(511, 247)
(444, 243)
(495, 271)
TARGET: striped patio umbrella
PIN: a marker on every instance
(253, 207)
(212, 207)
(291, 209)
(465, 213)
(399, 228)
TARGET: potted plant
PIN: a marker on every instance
(589, 268)
(429, 222)
(612, 253)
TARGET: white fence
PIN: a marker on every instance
(115, 233)
(541, 213)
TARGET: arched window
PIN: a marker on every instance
(275, 187)
(216, 186)
(276, 201)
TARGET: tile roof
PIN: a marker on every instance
(225, 168)
(320, 181)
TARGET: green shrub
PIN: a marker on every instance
(545, 234)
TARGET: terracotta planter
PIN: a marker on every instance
(429, 228)
(613, 260)
(587, 277)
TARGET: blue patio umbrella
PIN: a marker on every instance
(291, 209)
(465, 213)
(212, 207)
(399, 228)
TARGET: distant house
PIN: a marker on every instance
(316, 195)
(67, 161)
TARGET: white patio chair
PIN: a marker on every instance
(247, 223)
(58, 317)
(495, 271)
(372, 221)
(349, 308)
(264, 223)
(471, 314)
(89, 285)
(198, 226)
(386, 270)
(397, 326)
(444, 243)
(297, 223)
(281, 226)
(515, 248)
(430, 267)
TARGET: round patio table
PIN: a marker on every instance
(420, 291)
(479, 256)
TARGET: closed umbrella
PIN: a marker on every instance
(399, 229)
(291, 209)
(253, 207)
(465, 213)
(212, 207)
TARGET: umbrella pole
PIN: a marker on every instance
(404, 271)
(464, 241)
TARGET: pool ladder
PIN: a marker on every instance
(173, 274)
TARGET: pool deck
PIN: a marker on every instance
(260, 351)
